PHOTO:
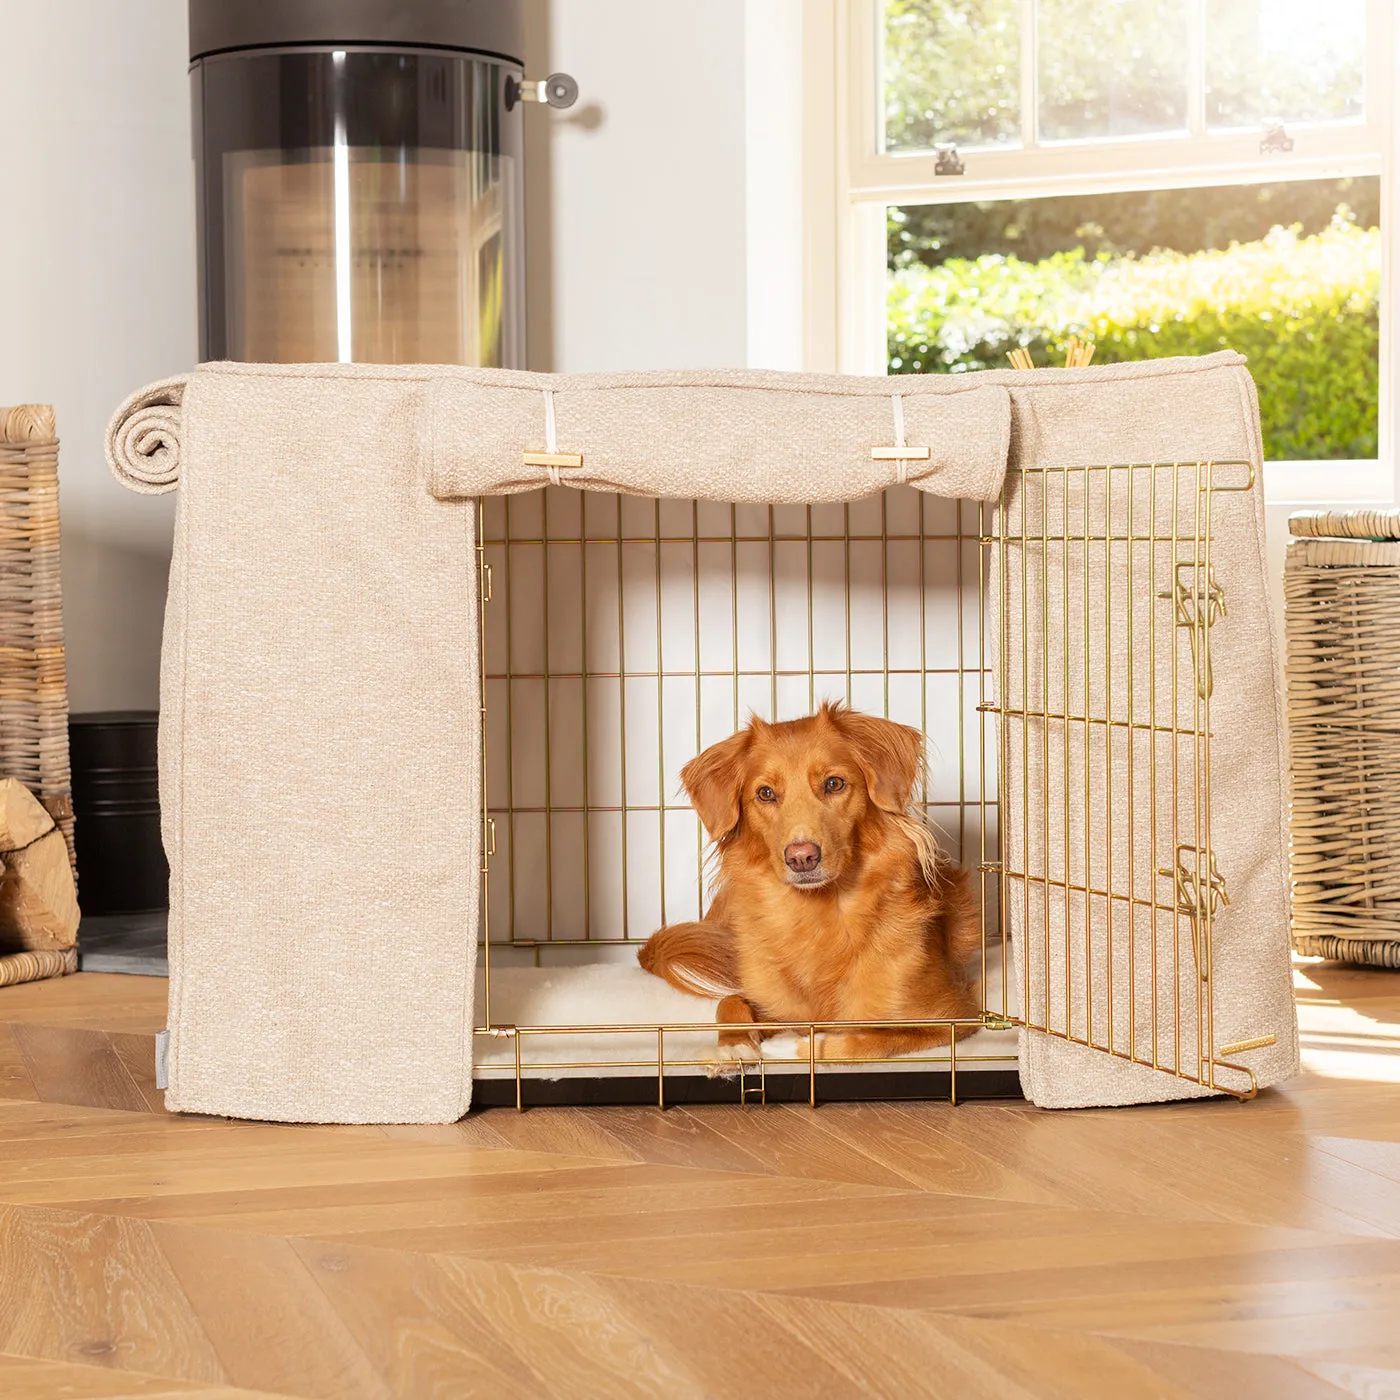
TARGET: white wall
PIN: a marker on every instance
(97, 292)
(635, 197)
(775, 168)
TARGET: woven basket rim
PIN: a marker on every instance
(1380, 525)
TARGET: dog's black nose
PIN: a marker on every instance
(803, 856)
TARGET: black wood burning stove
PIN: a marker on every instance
(359, 182)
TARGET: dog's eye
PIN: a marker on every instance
(834, 784)
(766, 794)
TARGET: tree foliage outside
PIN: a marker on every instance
(1136, 222)
(1256, 73)
(952, 72)
(1303, 307)
(1113, 68)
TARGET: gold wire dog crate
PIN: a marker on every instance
(1055, 647)
(1106, 738)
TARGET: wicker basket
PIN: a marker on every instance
(33, 674)
(1342, 608)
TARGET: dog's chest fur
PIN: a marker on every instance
(830, 954)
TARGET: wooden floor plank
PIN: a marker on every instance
(793, 1141)
(467, 1328)
(15, 1081)
(137, 1054)
(892, 1354)
(747, 1356)
(974, 1265)
(676, 1139)
(1382, 1158)
(1362, 1382)
(89, 1001)
(564, 1130)
(747, 1216)
(76, 1066)
(910, 1141)
(248, 1157)
(91, 1289)
(267, 1319)
(1212, 1374)
(27, 1378)
(436, 1204)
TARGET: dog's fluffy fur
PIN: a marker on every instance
(881, 928)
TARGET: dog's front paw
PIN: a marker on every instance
(732, 1055)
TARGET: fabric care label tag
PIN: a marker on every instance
(162, 1052)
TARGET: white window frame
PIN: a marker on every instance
(848, 183)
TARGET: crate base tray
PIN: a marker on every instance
(884, 1083)
(620, 1066)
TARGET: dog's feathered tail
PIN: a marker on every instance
(961, 928)
(694, 958)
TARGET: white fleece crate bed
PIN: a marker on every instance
(618, 992)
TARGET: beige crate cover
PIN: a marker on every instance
(320, 690)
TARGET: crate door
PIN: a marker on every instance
(1104, 597)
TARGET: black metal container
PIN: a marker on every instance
(358, 180)
(116, 809)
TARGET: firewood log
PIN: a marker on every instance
(38, 902)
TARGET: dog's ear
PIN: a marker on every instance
(890, 756)
(714, 782)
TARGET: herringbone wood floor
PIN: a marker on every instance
(1201, 1250)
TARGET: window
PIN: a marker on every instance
(1159, 176)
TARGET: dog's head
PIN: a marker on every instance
(801, 791)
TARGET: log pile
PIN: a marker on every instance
(38, 899)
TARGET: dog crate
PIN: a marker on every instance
(507, 625)
(1049, 645)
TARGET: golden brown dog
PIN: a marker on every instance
(834, 903)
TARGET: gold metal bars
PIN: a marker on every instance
(1197, 606)
(1198, 894)
(1259, 1042)
(900, 454)
(553, 459)
(750, 1092)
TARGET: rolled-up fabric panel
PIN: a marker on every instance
(716, 435)
(741, 435)
(143, 438)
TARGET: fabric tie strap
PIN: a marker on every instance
(551, 439)
(901, 466)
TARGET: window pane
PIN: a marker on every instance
(1287, 274)
(1111, 68)
(1290, 60)
(952, 73)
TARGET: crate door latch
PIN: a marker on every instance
(1197, 604)
(1200, 890)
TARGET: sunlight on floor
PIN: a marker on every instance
(1340, 1041)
